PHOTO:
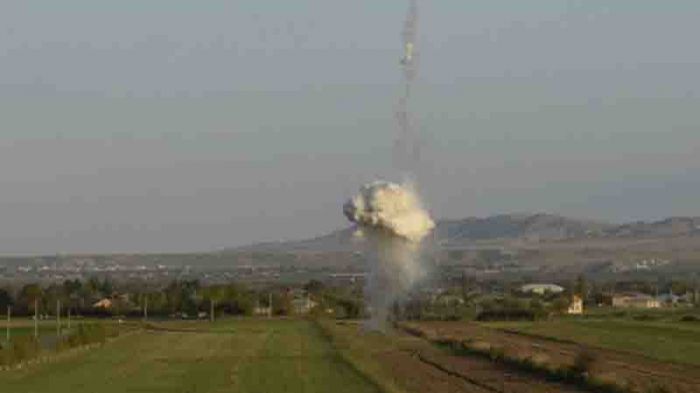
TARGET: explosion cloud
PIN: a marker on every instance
(390, 217)
(392, 208)
(393, 223)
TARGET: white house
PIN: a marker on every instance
(541, 289)
(576, 306)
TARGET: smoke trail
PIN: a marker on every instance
(407, 149)
(393, 222)
(390, 216)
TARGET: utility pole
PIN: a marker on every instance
(58, 318)
(269, 304)
(145, 308)
(9, 317)
(36, 319)
(211, 310)
(68, 318)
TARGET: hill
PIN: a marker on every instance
(525, 227)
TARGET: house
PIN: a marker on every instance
(446, 299)
(576, 306)
(669, 299)
(104, 304)
(541, 289)
(303, 305)
(635, 300)
(262, 311)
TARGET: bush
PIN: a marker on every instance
(506, 315)
(23, 348)
(496, 354)
(583, 363)
(690, 318)
(645, 317)
(657, 388)
(85, 334)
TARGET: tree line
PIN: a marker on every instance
(179, 298)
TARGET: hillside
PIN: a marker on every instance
(525, 227)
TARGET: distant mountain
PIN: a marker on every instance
(513, 226)
(528, 227)
(340, 240)
(673, 226)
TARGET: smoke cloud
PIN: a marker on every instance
(406, 144)
(390, 217)
(392, 208)
(393, 222)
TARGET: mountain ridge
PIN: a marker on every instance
(520, 226)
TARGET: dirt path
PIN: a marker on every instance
(415, 365)
(638, 372)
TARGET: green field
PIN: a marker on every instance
(46, 330)
(234, 355)
(663, 340)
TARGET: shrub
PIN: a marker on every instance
(657, 388)
(645, 317)
(85, 334)
(496, 353)
(690, 318)
(23, 348)
(583, 363)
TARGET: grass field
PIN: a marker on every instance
(663, 340)
(625, 353)
(46, 329)
(234, 355)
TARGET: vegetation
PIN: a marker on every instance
(25, 347)
(184, 299)
(663, 340)
(241, 355)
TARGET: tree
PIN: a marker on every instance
(71, 289)
(28, 295)
(214, 296)
(581, 287)
(106, 287)
(314, 287)
(87, 295)
(5, 300)
(238, 300)
(560, 305)
(281, 303)
(53, 294)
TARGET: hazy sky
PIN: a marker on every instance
(167, 125)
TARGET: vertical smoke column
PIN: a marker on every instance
(407, 153)
(390, 217)
(393, 223)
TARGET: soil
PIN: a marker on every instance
(419, 366)
(637, 372)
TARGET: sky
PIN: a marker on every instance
(175, 126)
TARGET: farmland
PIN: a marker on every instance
(299, 355)
(235, 355)
(553, 349)
(404, 363)
(666, 341)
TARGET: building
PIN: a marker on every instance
(447, 299)
(303, 305)
(262, 311)
(541, 289)
(104, 304)
(635, 300)
(576, 306)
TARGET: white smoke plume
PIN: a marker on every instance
(407, 142)
(393, 223)
(390, 217)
